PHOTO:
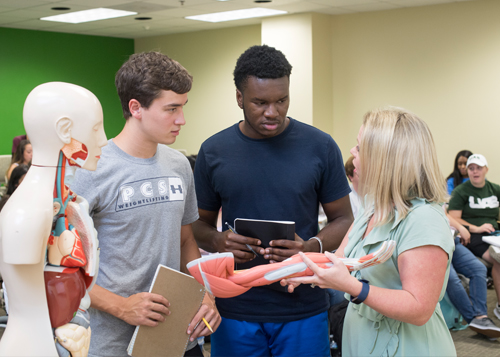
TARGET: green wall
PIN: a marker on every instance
(29, 58)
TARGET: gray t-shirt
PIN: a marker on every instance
(138, 207)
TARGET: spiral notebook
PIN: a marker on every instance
(169, 338)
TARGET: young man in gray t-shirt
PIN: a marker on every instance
(143, 202)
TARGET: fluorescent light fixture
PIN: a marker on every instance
(236, 15)
(88, 15)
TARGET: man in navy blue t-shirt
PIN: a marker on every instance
(271, 167)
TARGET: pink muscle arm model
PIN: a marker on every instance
(216, 271)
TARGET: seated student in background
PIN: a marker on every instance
(16, 177)
(23, 155)
(352, 175)
(474, 204)
(16, 141)
(473, 306)
(394, 308)
(459, 174)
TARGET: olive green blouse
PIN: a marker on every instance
(369, 333)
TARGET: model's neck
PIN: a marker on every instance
(41, 176)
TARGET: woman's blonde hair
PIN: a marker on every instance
(398, 162)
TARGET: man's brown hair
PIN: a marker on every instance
(145, 75)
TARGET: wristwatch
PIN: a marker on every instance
(363, 294)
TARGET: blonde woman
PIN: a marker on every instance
(394, 307)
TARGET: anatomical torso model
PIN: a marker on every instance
(48, 245)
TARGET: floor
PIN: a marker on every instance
(467, 342)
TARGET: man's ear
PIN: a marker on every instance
(63, 129)
(135, 108)
(239, 98)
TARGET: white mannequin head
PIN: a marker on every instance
(57, 114)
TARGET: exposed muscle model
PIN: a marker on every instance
(216, 271)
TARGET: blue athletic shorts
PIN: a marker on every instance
(307, 337)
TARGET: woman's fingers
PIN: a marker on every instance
(310, 264)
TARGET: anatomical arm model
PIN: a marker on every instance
(216, 271)
(48, 246)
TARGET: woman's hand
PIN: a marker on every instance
(337, 277)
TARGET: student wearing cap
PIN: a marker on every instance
(475, 204)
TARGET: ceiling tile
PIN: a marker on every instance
(34, 25)
(93, 3)
(349, 2)
(412, 3)
(375, 6)
(17, 4)
(302, 7)
(336, 11)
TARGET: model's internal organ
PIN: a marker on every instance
(73, 243)
(216, 271)
(65, 245)
(65, 289)
(74, 338)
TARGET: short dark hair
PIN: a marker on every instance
(145, 75)
(349, 167)
(262, 62)
(15, 176)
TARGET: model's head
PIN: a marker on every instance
(63, 116)
(16, 177)
(24, 153)
(262, 62)
(145, 75)
(398, 162)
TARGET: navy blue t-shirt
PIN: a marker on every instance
(279, 178)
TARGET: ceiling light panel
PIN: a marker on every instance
(88, 15)
(236, 15)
